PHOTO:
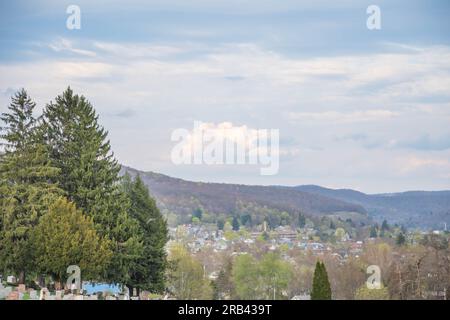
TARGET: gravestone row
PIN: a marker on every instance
(21, 293)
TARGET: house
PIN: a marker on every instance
(286, 233)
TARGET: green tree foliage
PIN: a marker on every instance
(252, 214)
(224, 287)
(227, 226)
(246, 220)
(373, 232)
(339, 233)
(276, 218)
(65, 236)
(245, 277)
(332, 225)
(198, 213)
(25, 190)
(127, 247)
(236, 225)
(220, 224)
(187, 279)
(19, 122)
(275, 275)
(80, 149)
(267, 278)
(401, 239)
(66, 152)
(149, 271)
(195, 220)
(321, 289)
(301, 221)
(89, 175)
(265, 236)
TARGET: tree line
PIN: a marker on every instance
(63, 201)
(416, 269)
(244, 276)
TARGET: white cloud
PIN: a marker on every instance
(65, 45)
(341, 117)
(85, 70)
(127, 51)
(414, 163)
(163, 88)
(243, 137)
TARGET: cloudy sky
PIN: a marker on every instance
(356, 108)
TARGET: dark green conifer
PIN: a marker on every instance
(148, 273)
(25, 188)
(89, 175)
(321, 289)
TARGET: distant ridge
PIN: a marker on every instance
(182, 197)
(422, 209)
(416, 209)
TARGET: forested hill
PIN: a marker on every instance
(417, 209)
(183, 197)
(422, 209)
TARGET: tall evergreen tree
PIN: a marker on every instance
(301, 220)
(373, 232)
(89, 175)
(19, 122)
(79, 147)
(25, 190)
(149, 271)
(223, 285)
(321, 289)
(220, 224)
(332, 225)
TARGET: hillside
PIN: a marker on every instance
(183, 197)
(417, 209)
(423, 209)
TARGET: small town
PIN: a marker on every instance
(211, 247)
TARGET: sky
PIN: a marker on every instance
(355, 108)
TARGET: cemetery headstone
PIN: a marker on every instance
(33, 295)
(69, 296)
(14, 295)
(5, 292)
(43, 295)
(58, 294)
